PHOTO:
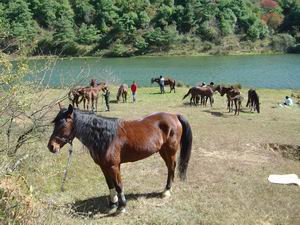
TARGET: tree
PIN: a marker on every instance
(87, 34)
(22, 27)
(64, 25)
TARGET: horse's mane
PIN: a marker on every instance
(95, 132)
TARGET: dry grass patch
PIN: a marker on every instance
(227, 175)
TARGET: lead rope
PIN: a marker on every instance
(67, 167)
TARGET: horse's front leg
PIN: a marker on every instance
(96, 103)
(113, 197)
(115, 174)
(84, 101)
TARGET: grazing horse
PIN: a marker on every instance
(112, 141)
(253, 100)
(203, 92)
(74, 95)
(123, 90)
(168, 81)
(233, 97)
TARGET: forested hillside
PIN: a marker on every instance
(137, 27)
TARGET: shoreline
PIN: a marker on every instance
(150, 55)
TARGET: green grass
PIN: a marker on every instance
(227, 175)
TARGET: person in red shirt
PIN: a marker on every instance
(133, 90)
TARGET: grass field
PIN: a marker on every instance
(232, 157)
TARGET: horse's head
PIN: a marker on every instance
(63, 132)
(220, 89)
(152, 80)
(93, 83)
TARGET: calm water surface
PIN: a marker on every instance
(264, 71)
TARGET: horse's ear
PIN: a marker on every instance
(60, 105)
(70, 110)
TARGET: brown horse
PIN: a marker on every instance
(203, 92)
(168, 81)
(78, 92)
(123, 90)
(253, 100)
(233, 97)
(75, 94)
(91, 95)
(112, 141)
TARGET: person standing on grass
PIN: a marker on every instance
(106, 94)
(133, 90)
(162, 84)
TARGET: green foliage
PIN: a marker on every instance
(282, 42)
(145, 25)
(87, 34)
(64, 25)
(119, 49)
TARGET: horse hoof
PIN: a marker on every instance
(122, 210)
(166, 194)
(113, 209)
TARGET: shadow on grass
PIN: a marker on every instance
(92, 206)
(157, 93)
(113, 101)
(216, 113)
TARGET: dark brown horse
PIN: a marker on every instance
(253, 100)
(203, 92)
(168, 81)
(122, 91)
(233, 97)
(112, 141)
(75, 94)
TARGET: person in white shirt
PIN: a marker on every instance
(288, 101)
(162, 84)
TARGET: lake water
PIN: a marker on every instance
(262, 71)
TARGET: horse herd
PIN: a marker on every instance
(113, 141)
(199, 95)
(203, 93)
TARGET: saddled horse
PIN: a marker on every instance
(122, 91)
(203, 92)
(168, 81)
(233, 97)
(253, 100)
(113, 141)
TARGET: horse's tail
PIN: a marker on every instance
(186, 147)
(249, 97)
(187, 94)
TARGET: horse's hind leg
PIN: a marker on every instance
(170, 160)
(236, 106)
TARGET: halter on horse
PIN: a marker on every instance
(112, 141)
